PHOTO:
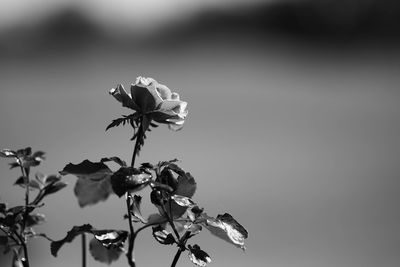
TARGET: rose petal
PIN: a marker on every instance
(170, 104)
(122, 96)
(163, 92)
(176, 126)
(175, 96)
(143, 98)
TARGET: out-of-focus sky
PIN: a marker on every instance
(293, 123)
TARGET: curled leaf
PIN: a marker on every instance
(129, 179)
(117, 160)
(198, 256)
(35, 219)
(111, 238)
(227, 228)
(107, 238)
(163, 236)
(76, 230)
(183, 201)
(156, 218)
(8, 153)
(93, 183)
(102, 254)
(135, 209)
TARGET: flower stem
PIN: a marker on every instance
(83, 242)
(25, 174)
(132, 236)
(129, 255)
(182, 248)
(137, 143)
(176, 258)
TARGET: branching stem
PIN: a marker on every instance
(181, 248)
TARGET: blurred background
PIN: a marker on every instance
(293, 123)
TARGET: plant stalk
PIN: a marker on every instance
(176, 258)
(25, 173)
(132, 236)
(181, 245)
(83, 242)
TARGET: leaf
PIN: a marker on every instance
(24, 152)
(8, 153)
(107, 238)
(129, 179)
(14, 165)
(93, 183)
(156, 218)
(183, 201)
(198, 256)
(35, 219)
(117, 160)
(54, 187)
(3, 240)
(111, 238)
(227, 228)
(143, 98)
(163, 236)
(16, 260)
(3, 208)
(29, 160)
(76, 230)
(135, 208)
(22, 180)
(186, 185)
(101, 253)
(124, 120)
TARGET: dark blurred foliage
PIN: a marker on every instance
(304, 20)
(309, 20)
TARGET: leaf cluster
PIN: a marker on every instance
(16, 223)
(178, 217)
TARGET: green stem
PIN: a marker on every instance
(83, 242)
(176, 258)
(129, 255)
(25, 173)
(181, 245)
(137, 143)
(132, 236)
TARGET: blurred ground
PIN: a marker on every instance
(293, 124)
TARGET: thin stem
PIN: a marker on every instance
(25, 260)
(25, 173)
(10, 235)
(132, 235)
(83, 242)
(176, 258)
(137, 143)
(181, 245)
(170, 220)
(148, 225)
